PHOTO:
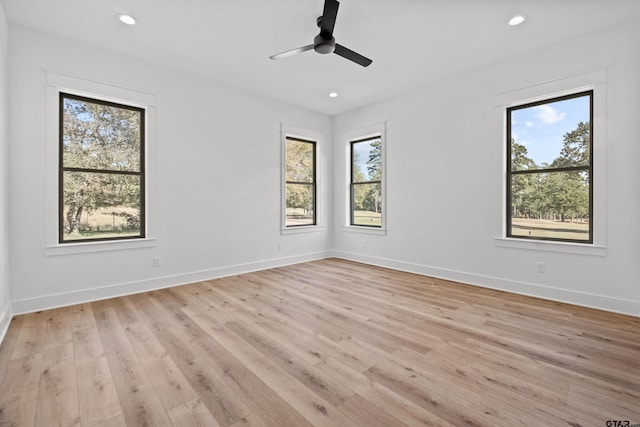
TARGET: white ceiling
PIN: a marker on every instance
(411, 42)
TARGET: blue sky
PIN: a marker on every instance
(362, 151)
(542, 128)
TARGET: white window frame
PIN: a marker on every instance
(377, 130)
(65, 83)
(288, 131)
(592, 80)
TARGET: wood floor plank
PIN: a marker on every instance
(295, 366)
(226, 407)
(115, 342)
(403, 409)
(355, 353)
(31, 338)
(97, 396)
(58, 327)
(261, 400)
(250, 421)
(117, 421)
(140, 404)
(19, 391)
(314, 408)
(323, 343)
(170, 385)
(9, 342)
(58, 392)
(193, 413)
(363, 412)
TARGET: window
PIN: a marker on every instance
(300, 182)
(366, 182)
(101, 170)
(550, 169)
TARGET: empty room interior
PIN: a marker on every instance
(318, 213)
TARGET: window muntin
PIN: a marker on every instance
(101, 173)
(366, 182)
(300, 182)
(550, 169)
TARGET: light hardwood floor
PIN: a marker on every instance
(325, 343)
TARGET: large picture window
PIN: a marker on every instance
(550, 169)
(102, 170)
(300, 182)
(366, 182)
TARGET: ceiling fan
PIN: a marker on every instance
(325, 42)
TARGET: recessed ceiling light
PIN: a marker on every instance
(127, 19)
(333, 94)
(516, 20)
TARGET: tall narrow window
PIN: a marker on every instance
(101, 174)
(366, 182)
(550, 169)
(300, 170)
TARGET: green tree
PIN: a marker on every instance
(372, 200)
(523, 186)
(519, 157)
(374, 163)
(299, 169)
(569, 191)
(576, 147)
(359, 191)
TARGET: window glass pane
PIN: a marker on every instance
(553, 205)
(367, 160)
(100, 205)
(367, 204)
(300, 201)
(98, 136)
(551, 135)
(299, 161)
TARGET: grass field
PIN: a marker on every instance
(101, 234)
(550, 229)
(371, 219)
(105, 223)
(298, 216)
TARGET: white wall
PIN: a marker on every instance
(214, 184)
(5, 305)
(445, 151)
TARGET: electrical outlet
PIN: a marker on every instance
(156, 261)
(540, 267)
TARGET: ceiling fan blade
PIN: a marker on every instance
(292, 52)
(352, 56)
(329, 15)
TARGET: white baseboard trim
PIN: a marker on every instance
(29, 305)
(584, 299)
(5, 320)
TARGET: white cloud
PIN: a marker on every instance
(529, 124)
(547, 115)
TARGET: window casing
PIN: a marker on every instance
(300, 182)
(366, 198)
(550, 190)
(101, 170)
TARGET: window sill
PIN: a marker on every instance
(93, 247)
(302, 229)
(560, 247)
(364, 230)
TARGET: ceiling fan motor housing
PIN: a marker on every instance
(324, 45)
